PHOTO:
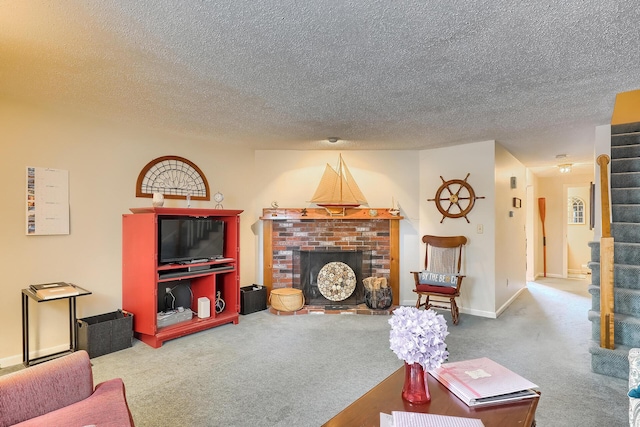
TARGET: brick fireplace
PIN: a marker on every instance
(370, 237)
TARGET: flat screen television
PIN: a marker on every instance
(185, 239)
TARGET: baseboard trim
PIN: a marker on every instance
(549, 275)
(473, 312)
(479, 313)
(17, 359)
(510, 301)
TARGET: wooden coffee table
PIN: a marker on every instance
(385, 397)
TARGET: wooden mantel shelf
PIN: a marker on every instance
(320, 213)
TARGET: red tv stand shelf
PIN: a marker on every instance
(142, 276)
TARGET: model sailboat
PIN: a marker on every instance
(338, 190)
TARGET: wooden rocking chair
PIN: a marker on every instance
(441, 278)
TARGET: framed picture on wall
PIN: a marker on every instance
(576, 208)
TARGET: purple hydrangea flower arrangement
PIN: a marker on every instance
(417, 336)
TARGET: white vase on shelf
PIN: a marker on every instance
(158, 200)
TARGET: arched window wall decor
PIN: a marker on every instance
(175, 177)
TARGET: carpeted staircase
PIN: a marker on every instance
(625, 230)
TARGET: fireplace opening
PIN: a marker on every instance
(326, 276)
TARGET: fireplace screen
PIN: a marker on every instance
(328, 277)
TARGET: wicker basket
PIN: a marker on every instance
(286, 299)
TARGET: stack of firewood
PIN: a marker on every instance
(377, 294)
(374, 283)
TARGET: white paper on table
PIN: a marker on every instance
(416, 419)
(386, 420)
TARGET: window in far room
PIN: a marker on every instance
(576, 210)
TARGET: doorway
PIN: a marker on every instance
(578, 230)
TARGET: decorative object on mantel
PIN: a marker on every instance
(175, 177)
(417, 337)
(464, 191)
(377, 295)
(395, 211)
(338, 190)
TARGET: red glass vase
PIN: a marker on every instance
(415, 389)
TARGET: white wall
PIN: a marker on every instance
(534, 246)
(477, 159)
(602, 146)
(103, 163)
(510, 233)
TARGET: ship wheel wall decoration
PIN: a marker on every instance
(455, 198)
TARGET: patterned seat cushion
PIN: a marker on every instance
(436, 289)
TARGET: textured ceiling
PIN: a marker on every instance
(536, 76)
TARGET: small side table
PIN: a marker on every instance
(29, 293)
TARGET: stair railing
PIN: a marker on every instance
(606, 260)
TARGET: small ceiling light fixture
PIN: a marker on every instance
(565, 168)
(333, 139)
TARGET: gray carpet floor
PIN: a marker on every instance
(301, 370)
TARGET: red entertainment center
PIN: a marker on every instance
(144, 278)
